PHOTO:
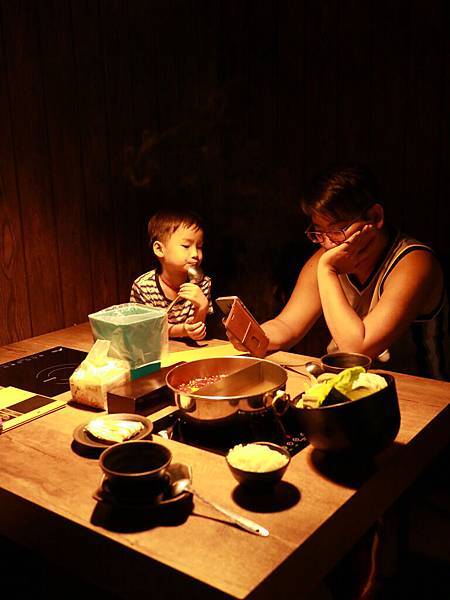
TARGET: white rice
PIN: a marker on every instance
(256, 458)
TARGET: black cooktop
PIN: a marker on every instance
(244, 428)
(46, 373)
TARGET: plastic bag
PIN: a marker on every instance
(97, 374)
(138, 333)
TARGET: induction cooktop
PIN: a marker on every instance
(46, 373)
(244, 428)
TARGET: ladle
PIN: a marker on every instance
(195, 275)
(184, 484)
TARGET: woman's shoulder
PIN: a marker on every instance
(403, 242)
(410, 253)
(414, 265)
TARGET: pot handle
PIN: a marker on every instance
(278, 401)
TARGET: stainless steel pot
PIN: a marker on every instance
(249, 384)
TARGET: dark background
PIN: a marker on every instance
(112, 109)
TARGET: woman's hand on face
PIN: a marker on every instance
(196, 331)
(349, 255)
(193, 293)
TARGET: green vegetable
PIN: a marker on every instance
(353, 382)
(344, 381)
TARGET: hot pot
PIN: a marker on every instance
(362, 427)
(249, 385)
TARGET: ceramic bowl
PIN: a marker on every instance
(132, 462)
(363, 426)
(267, 479)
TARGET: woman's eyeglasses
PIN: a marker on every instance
(336, 236)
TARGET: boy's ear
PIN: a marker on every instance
(376, 215)
(158, 249)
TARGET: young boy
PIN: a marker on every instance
(176, 238)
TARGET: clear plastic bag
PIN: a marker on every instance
(138, 333)
(97, 374)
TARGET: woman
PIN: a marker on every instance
(381, 292)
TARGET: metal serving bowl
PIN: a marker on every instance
(335, 362)
(260, 387)
(364, 426)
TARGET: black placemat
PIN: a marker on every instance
(45, 372)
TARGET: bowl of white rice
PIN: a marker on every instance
(259, 464)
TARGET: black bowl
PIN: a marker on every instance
(252, 479)
(363, 426)
(135, 462)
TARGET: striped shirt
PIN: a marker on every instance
(424, 347)
(146, 289)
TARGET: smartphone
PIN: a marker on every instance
(243, 326)
(225, 303)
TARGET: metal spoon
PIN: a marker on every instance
(185, 484)
(313, 368)
(195, 275)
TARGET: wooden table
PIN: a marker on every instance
(46, 493)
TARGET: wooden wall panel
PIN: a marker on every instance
(63, 124)
(321, 56)
(390, 40)
(291, 82)
(145, 29)
(90, 77)
(15, 322)
(120, 124)
(200, 83)
(145, 26)
(265, 217)
(29, 126)
(248, 64)
(354, 82)
(424, 110)
(239, 103)
(442, 223)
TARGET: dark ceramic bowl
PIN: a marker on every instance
(135, 462)
(252, 479)
(363, 426)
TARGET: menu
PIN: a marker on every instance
(20, 406)
(200, 353)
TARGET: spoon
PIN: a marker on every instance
(313, 368)
(185, 484)
(195, 275)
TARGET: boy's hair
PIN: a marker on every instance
(164, 223)
(341, 191)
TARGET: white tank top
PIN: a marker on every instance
(424, 347)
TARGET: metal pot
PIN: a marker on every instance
(249, 385)
(335, 362)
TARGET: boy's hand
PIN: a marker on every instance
(192, 292)
(348, 256)
(196, 331)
